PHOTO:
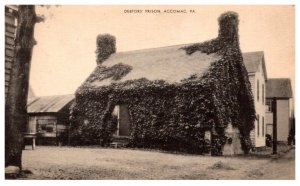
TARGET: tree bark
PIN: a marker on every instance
(16, 102)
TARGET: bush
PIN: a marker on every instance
(291, 140)
(269, 140)
(246, 144)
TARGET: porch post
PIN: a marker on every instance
(274, 110)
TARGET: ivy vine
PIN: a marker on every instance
(172, 116)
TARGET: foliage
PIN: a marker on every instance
(238, 86)
(106, 45)
(221, 166)
(172, 116)
(269, 140)
(115, 72)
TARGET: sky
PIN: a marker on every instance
(66, 41)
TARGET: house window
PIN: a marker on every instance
(46, 127)
(263, 126)
(257, 124)
(263, 93)
(257, 90)
(268, 105)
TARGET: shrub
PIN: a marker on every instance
(268, 140)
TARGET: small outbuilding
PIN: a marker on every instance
(48, 118)
(281, 90)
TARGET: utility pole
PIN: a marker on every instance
(274, 110)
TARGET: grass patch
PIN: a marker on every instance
(221, 166)
(255, 173)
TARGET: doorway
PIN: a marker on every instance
(122, 113)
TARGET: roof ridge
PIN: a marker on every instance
(55, 95)
(176, 45)
(286, 78)
(257, 51)
(153, 48)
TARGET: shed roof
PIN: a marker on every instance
(279, 88)
(49, 103)
(171, 64)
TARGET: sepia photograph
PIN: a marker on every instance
(149, 92)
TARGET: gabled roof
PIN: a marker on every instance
(49, 103)
(171, 64)
(279, 88)
(252, 60)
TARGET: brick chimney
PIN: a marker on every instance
(106, 46)
(228, 27)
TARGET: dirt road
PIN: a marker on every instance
(100, 163)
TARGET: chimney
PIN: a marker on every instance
(228, 26)
(106, 46)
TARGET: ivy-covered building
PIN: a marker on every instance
(190, 98)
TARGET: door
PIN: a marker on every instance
(124, 121)
(122, 112)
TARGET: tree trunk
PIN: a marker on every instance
(16, 102)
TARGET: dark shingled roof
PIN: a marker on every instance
(171, 64)
(279, 88)
(49, 103)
